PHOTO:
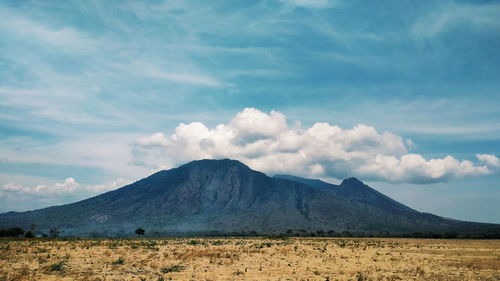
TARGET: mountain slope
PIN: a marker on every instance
(227, 196)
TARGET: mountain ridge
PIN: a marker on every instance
(226, 196)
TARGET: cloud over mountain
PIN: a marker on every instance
(266, 142)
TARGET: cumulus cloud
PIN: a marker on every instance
(70, 185)
(265, 142)
(19, 197)
(490, 160)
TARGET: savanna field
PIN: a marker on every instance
(249, 259)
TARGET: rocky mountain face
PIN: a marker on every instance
(226, 196)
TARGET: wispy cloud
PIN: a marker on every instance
(310, 3)
(185, 78)
(454, 15)
(32, 32)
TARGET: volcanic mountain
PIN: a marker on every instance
(226, 196)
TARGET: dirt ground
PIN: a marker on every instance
(249, 259)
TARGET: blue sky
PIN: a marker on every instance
(92, 95)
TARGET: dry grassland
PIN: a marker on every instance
(249, 259)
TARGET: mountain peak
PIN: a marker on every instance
(215, 163)
(352, 181)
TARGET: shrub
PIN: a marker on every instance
(57, 266)
(119, 261)
(11, 232)
(194, 242)
(140, 231)
(361, 277)
(173, 268)
(54, 232)
(265, 245)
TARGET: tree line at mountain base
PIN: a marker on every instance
(55, 232)
(19, 232)
(343, 234)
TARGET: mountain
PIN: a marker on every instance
(353, 190)
(226, 196)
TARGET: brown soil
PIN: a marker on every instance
(249, 259)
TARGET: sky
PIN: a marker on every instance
(404, 95)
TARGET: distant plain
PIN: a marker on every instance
(249, 259)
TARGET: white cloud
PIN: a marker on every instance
(265, 142)
(70, 185)
(100, 188)
(158, 139)
(185, 78)
(252, 123)
(488, 159)
(20, 197)
(309, 3)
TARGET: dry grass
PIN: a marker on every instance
(249, 259)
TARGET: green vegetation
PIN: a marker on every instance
(54, 232)
(140, 231)
(196, 242)
(11, 232)
(119, 261)
(57, 266)
(173, 268)
(361, 277)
